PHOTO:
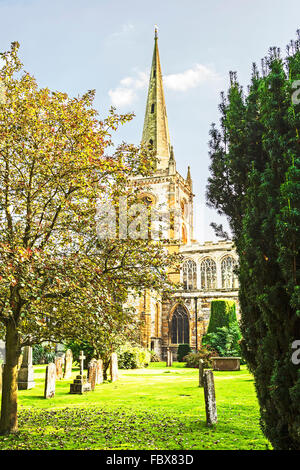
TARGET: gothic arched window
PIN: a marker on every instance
(208, 270)
(229, 278)
(180, 333)
(189, 271)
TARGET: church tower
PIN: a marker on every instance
(165, 188)
(169, 193)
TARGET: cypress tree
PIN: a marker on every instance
(260, 195)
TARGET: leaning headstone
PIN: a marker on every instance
(80, 384)
(201, 372)
(59, 368)
(49, 391)
(210, 398)
(169, 358)
(114, 367)
(25, 374)
(99, 371)
(68, 364)
(2, 351)
(92, 373)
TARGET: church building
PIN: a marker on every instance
(207, 269)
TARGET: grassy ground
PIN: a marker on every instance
(153, 408)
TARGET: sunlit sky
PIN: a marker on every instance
(107, 45)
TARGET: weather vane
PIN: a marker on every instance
(156, 30)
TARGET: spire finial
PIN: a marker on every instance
(155, 31)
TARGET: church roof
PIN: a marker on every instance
(156, 130)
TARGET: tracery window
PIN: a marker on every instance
(180, 333)
(189, 271)
(208, 271)
(229, 278)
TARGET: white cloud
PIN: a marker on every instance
(126, 93)
(190, 78)
(121, 96)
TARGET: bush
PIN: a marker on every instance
(182, 351)
(42, 354)
(205, 353)
(222, 313)
(133, 357)
(225, 341)
(76, 347)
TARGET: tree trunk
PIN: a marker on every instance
(9, 419)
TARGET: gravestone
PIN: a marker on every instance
(210, 398)
(59, 367)
(114, 367)
(92, 373)
(169, 358)
(99, 371)
(226, 363)
(25, 374)
(80, 384)
(201, 372)
(68, 364)
(2, 351)
(49, 391)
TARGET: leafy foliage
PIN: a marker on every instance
(182, 351)
(205, 353)
(225, 341)
(43, 354)
(222, 313)
(255, 168)
(133, 357)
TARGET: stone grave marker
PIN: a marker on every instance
(201, 372)
(210, 398)
(92, 373)
(80, 384)
(114, 367)
(59, 367)
(68, 364)
(25, 374)
(99, 371)
(49, 391)
(169, 358)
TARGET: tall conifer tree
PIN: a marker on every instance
(256, 158)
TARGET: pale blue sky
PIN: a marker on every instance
(76, 45)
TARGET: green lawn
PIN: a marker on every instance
(153, 408)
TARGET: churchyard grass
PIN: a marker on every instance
(152, 408)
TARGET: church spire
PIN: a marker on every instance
(156, 130)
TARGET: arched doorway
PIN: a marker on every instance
(180, 328)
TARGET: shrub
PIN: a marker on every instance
(76, 347)
(133, 357)
(222, 313)
(225, 340)
(182, 351)
(43, 354)
(205, 353)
